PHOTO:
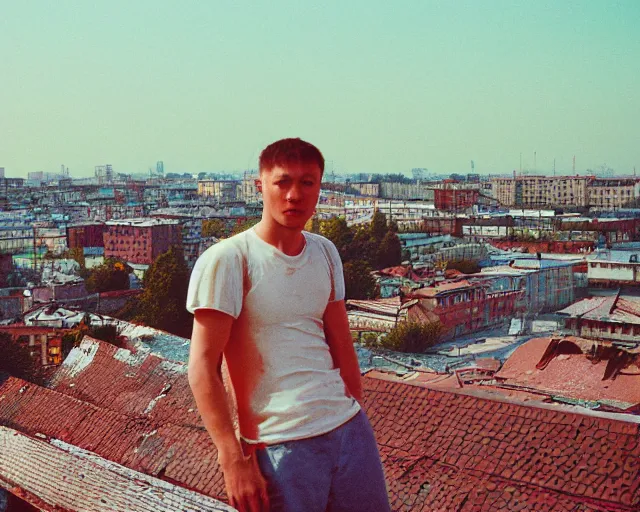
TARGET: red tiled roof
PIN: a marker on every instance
(441, 450)
(176, 452)
(451, 451)
(134, 384)
(571, 375)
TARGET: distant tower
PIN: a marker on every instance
(473, 166)
(520, 162)
(554, 166)
(160, 168)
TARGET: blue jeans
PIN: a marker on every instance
(336, 471)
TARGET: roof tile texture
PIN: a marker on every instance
(449, 451)
(441, 450)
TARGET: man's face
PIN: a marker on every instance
(290, 194)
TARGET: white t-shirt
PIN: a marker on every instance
(285, 384)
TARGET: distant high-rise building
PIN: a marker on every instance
(37, 176)
(1, 172)
(104, 173)
(160, 168)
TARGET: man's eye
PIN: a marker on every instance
(308, 183)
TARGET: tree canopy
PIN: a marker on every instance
(16, 360)
(162, 302)
(112, 275)
(214, 227)
(243, 226)
(358, 281)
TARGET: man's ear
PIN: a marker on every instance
(259, 185)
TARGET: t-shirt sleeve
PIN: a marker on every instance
(216, 281)
(337, 271)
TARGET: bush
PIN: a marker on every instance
(411, 336)
(369, 339)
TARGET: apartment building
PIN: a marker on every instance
(250, 192)
(580, 191)
(142, 240)
(542, 190)
(224, 190)
(365, 188)
(610, 193)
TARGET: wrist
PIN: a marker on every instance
(229, 455)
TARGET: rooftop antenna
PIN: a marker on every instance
(574, 163)
(554, 166)
(534, 162)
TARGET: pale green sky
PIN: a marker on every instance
(379, 86)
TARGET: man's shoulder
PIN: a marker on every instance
(318, 239)
(234, 246)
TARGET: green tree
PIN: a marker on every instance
(16, 360)
(162, 303)
(113, 274)
(337, 230)
(411, 336)
(389, 253)
(358, 281)
(213, 227)
(363, 246)
(378, 228)
(243, 226)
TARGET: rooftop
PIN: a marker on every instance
(142, 222)
(442, 450)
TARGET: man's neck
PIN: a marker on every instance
(289, 241)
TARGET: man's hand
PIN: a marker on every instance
(338, 335)
(246, 487)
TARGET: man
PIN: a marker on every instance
(271, 300)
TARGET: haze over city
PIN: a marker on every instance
(378, 87)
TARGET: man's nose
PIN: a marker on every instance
(294, 193)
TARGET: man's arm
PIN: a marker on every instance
(245, 485)
(338, 335)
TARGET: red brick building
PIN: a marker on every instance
(464, 307)
(141, 240)
(454, 198)
(86, 235)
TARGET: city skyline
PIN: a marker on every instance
(378, 88)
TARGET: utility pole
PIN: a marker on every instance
(34, 248)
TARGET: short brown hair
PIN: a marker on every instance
(286, 152)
